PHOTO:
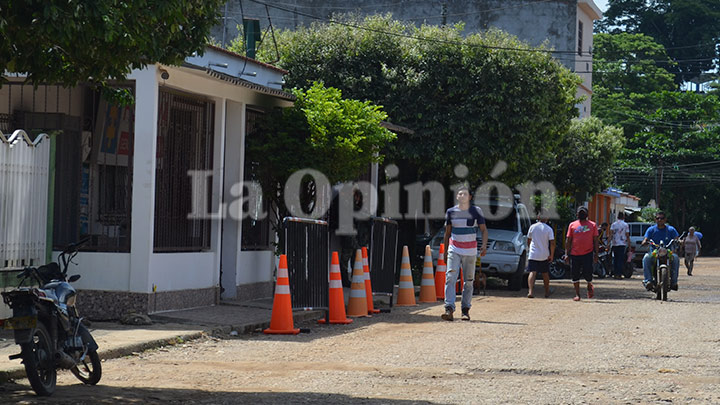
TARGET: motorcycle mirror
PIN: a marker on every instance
(74, 278)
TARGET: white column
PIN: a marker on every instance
(143, 190)
(233, 174)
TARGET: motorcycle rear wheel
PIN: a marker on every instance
(665, 287)
(599, 269)
(39, 362)
(557, 270)
(89, 372)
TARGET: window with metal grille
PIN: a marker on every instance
(580, 37)
(184, 142)
(255, 232)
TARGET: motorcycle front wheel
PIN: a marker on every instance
(39, 362)
(665, 287)
(89, 370)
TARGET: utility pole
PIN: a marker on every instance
(658, 182)
(443, 12)
(224, 26)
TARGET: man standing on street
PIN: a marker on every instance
(541, 242)
(461, 224)
(620, 239)
(582, 246)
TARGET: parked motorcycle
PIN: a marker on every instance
(603, 267)
(663, 257)
(558, 267)
(48, 328)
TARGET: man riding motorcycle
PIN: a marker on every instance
(660, 232)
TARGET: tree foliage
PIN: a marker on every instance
(469, 100)
(66, 42)
(687, 28)
(322, 131)
(584, 161)
(629, 63)
(672, 143)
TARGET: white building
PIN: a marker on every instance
(121, 178)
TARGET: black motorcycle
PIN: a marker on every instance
(558, 267)
(48, 328)
(662, 260)
(603, 267)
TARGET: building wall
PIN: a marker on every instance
(534, 22)
(553, 23)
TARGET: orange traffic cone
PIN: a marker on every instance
(357, 306)
(427, 285)
(336, 312)
(281, 321)
(440, 274)
(406, 289)
(368, 284)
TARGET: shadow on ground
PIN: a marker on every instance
(100, 394)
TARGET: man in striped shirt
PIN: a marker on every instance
(461, 224)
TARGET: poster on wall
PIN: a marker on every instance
(113, 130)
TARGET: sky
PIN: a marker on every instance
(602, 5)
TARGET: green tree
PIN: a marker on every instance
(584, 161)
(322, 131)
(629, 63)
(687, 28)
(473, 100)
(66, 42)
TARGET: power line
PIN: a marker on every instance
(571, 52)
(401, 35)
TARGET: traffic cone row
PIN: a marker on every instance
(360, 303)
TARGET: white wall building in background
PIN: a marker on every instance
(122, 179)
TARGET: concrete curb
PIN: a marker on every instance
(242, 329)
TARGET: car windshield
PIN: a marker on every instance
(509, 223)
(639, 229)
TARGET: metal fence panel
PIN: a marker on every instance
(307, 247)
(383, 256)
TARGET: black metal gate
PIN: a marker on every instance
(383, 256)
(307, 247)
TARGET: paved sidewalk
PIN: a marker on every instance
(117, 340)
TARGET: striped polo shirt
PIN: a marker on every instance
(463, 237)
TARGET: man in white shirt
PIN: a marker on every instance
(541, 243)
(620, 239)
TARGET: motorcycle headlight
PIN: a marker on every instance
(504, 246)
(662, 252)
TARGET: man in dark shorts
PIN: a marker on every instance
(582, 246)
(541, 245)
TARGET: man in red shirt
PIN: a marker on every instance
(582, 246)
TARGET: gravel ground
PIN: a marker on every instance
(619, 347)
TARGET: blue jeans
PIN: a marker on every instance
(648, 263)
(451, 275)
(618, 260)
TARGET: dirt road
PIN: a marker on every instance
(619, 347)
